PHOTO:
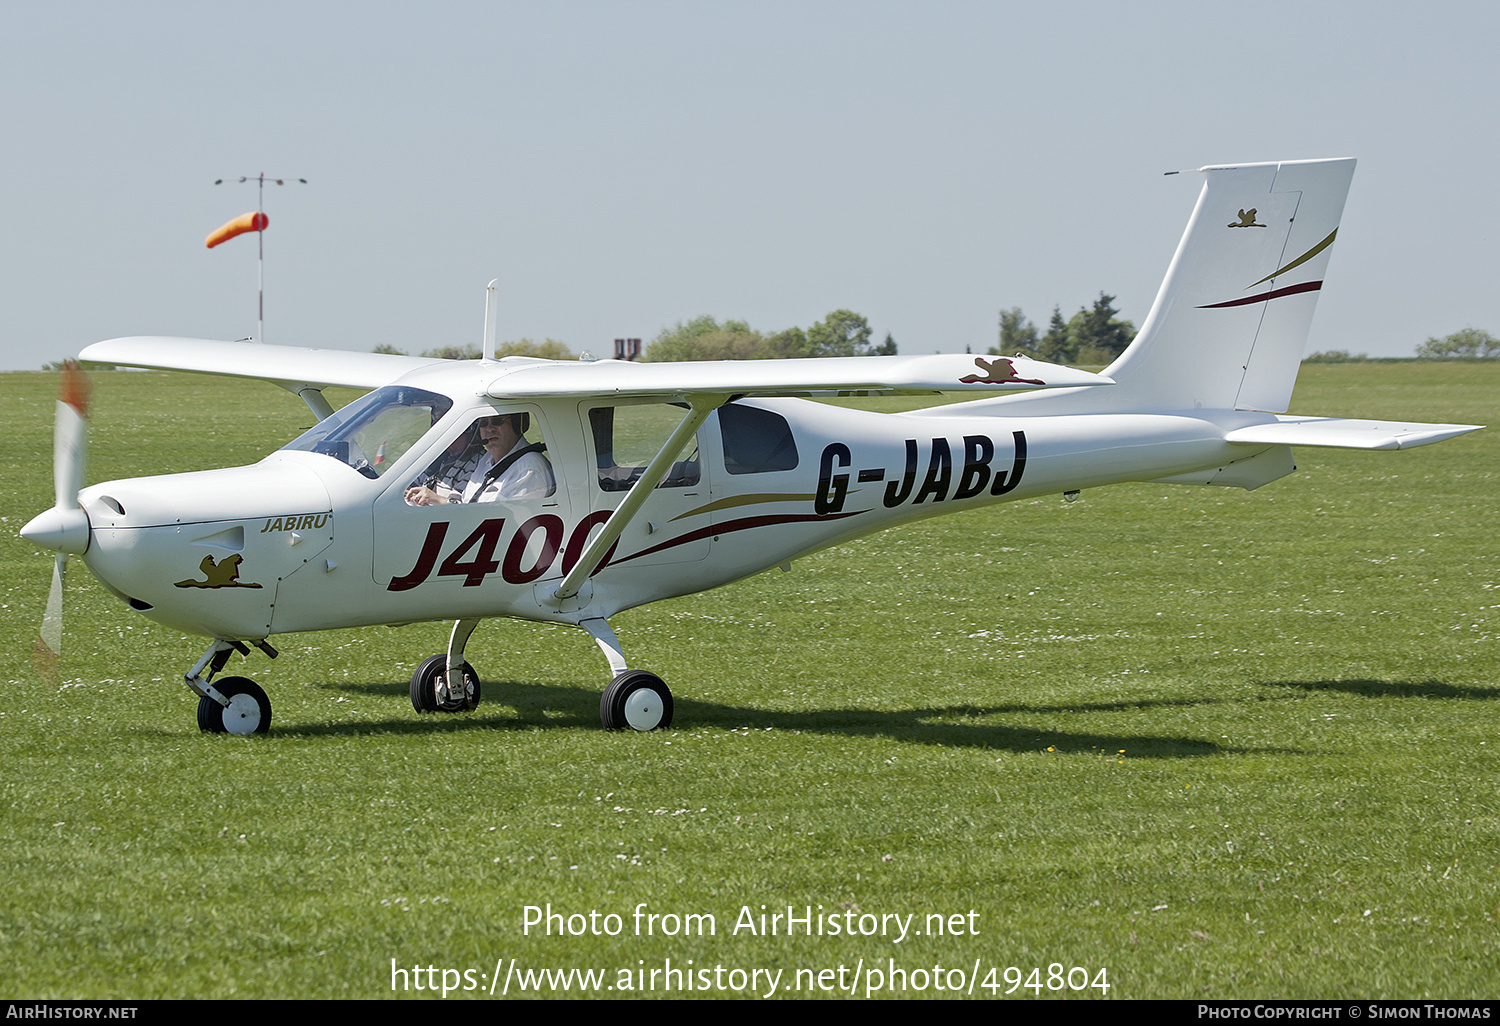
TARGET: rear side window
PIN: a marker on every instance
(627, 437)
(756, 441)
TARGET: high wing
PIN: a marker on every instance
(860, 375)
(291, 368)
(303, 371)
(307, 371)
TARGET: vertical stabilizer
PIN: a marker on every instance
(1229, 325)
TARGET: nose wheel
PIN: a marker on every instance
(248, 711)
(234, 705)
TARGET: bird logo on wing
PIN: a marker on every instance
(997, 372)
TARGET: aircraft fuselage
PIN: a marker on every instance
(301, 541)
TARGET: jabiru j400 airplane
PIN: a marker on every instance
(567, 492)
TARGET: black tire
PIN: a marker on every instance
(424, 686)
(636, 700)
(249, 710)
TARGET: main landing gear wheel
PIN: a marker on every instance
(248, 712)
(428, 696)
(636, 700)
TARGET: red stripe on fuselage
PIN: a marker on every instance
(743, 524)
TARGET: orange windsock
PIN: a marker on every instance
(251, 222)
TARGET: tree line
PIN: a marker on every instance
(1094, 335)
(841, 333)
(1468, 344)
(547, 349)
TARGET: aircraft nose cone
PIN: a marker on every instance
(62, 530)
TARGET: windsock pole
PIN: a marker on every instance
(260, 231)
(260, 266)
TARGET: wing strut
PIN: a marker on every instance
(315, 401)
(702, 406)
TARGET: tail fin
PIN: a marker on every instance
(1230, 322)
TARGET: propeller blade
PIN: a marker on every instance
(65, 526)
(46, 654)
(70, 435)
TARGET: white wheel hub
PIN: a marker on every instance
(643, 709)
(242, 715)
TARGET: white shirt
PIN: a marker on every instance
(529, 477)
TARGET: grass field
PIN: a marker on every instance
(1215, 743)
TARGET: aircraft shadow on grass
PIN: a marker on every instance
(1389, 688)
(512, 705)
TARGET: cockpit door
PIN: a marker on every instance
(458, 550)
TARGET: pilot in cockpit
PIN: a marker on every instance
(507, 467)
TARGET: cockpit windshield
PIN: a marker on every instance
(376, 430)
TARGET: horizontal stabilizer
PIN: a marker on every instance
(1333, 433)
(287, 366)
(855, 375)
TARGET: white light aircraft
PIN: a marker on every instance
(671, 478)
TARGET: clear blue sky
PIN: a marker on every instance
(622, 166)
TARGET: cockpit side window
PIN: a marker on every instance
(499, 456)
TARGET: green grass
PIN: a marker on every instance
(1222, 744)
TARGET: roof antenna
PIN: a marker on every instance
(491, 298)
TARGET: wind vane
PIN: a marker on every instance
(256, 222)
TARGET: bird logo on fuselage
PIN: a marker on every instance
(219, 575)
